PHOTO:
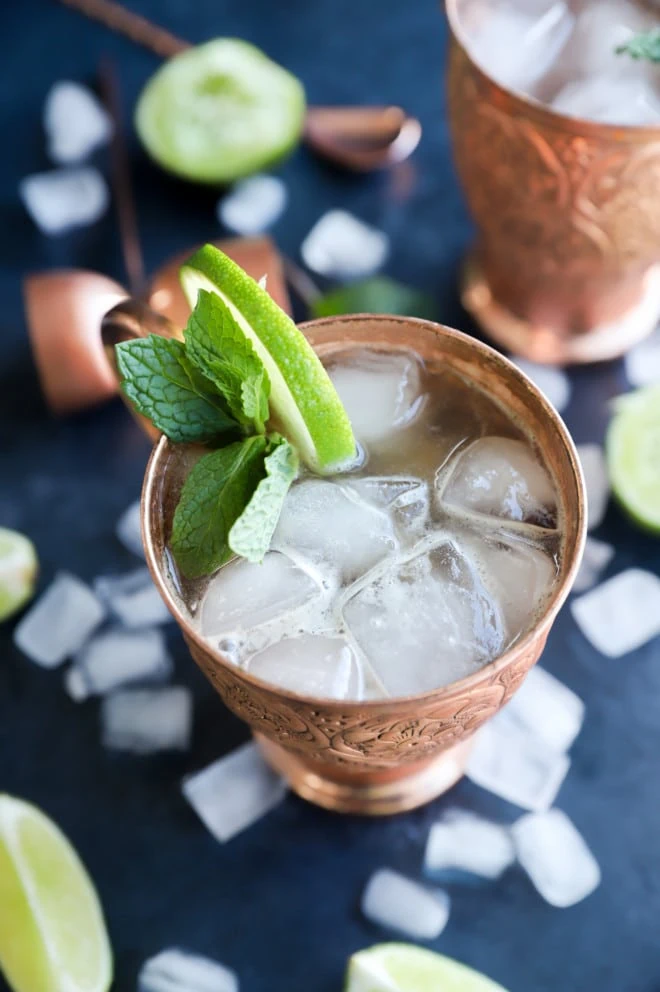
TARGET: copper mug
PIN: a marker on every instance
(379, 756)
(567, 262)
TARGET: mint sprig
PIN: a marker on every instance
(642, 46)
(251, 534)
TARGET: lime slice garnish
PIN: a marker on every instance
(219, 111)
(18, 571)
(405, 968)
(52, 933)
(633, 455)
(304, 403)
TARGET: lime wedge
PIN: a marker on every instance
(219, 111)
(633, 456)
(405, 968)
(18, 571)
(304, 404)
(52, 933)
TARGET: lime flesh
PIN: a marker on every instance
(304, 403)
(220, 111)
(633, 456)
(405, 968)
(52, 933)
(18, 571)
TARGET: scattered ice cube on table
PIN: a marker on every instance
(253, 205)
(326, 523)
(311, 665)
(65, 198)
(116, 658)
(244, 594)
(382, 393)
(596, 480)
(643, 362)
(609, 99)
(176, 970)
(502, 478)
(342, 246)
(597, 556)
(60, 622)
(621, 614)
(234, 792)
(516, 765)
(425, 621)
(466, 842)
(133, 598)
(75, 122)
(548, 709)
(556, 858)
(145, 721)
(129, 531)
(553, 382)
(392, 900)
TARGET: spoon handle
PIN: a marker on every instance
(143, 32)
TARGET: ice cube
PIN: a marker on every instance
(516, 765)
(382, 491)
(610, 100)
(394, 901)
(596, 480)
(554, 855)
(64, 198)
(411, 513)
(176, 970)
(621, 614)
(597, 556)
(382, 393)
(425, 621)
(234, 792)
(343, 247)
(147, 720)
(324, 522)
(502, 478)
(600, 29)
(466, 842)
(244, 594)
(325, 667)
(253, 204)
(643, 362)
(548, 709)
(60, 622)
(132, 598)
(116, 658)
(75, 122)
(553, 382)
(129, 529)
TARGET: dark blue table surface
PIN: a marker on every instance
(280, 902)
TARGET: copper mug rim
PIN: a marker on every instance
(580, 126)
(570, 558)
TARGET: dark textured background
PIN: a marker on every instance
(280, 902)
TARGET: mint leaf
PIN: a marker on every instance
(218, 346)
(643, 46)
(252, 532)
(213, 496)
(163, 385)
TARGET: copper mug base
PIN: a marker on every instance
(543, 344)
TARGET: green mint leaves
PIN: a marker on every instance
(643, 46)
(213, 388)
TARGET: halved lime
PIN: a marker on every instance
(633, 455)
(52, 932)
(18, 571)
(405, 968)
(219, 111)
(303, 401)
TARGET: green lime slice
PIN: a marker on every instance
(405, 968)
(52, 933)
(219, 111)
(18, 571)
(633, 456)
(304, 403)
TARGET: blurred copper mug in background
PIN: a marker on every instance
(567, 262)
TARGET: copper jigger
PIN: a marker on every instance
(567, 263)
(380, 756)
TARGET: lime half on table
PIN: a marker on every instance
(18, 571)
(405, 968)
(220, 111)
(633, 455)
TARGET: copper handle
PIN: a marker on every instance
(137, 28)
